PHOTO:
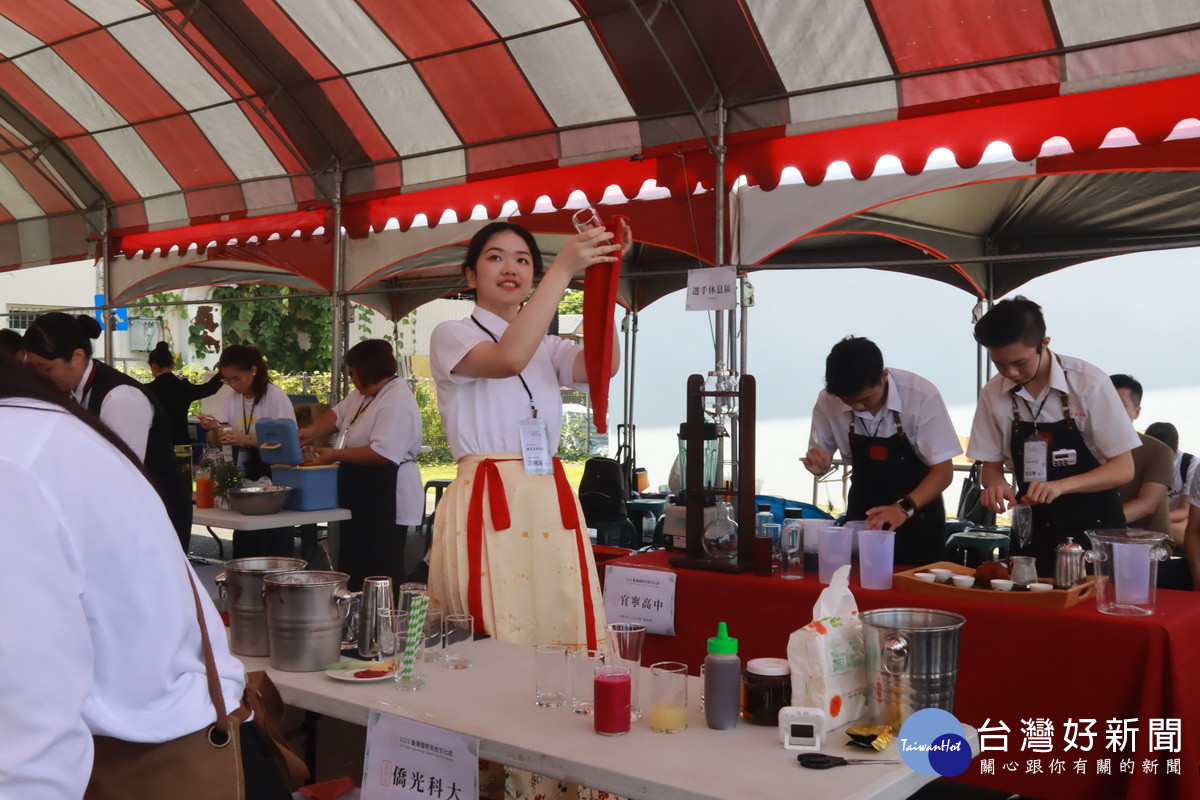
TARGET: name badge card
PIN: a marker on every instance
(407, 759)
(641, 595)
(711, 289)
(1034, 466)
(535, 448)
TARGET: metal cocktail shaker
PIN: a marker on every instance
(1068, 565)
(376, 597)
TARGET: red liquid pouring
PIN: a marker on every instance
(612, 691)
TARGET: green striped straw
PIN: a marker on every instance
(416, 633)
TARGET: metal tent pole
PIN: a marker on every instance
(337, 298)
(106, 312)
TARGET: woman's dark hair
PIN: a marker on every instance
(10, 342)
(1011, 321)
(19, 380)
(161, 356)
(372, 359)
(57, 335)
(244, 357)
(1165, 432)
(484, 235)
(853, 365)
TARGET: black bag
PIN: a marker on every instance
(603, 491)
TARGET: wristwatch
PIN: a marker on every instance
(907, 505)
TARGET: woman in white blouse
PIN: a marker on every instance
(378, 436)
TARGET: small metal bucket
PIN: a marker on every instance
(305, 613)
(912, 661)
(241, 589)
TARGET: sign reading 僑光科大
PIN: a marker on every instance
(407, 760)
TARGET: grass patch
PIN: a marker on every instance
(574, 470)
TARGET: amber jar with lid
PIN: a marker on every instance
(766, 688)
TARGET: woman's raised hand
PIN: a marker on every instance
(593, 246)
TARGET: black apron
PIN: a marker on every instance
(1070, 514)
(886, 469)
(173, 485)
(370, 542)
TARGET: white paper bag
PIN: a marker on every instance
(826, 656)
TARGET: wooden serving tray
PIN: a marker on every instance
(1055, 598)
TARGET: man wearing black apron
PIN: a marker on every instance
(893, 427)
(1058, 422)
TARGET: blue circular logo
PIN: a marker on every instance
(931, 743)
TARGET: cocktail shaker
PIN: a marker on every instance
(376, 597)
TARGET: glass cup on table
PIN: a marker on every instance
(583, 663)
(668, 697)
(458, 635)
(410, 642)
(611, 690)
(551, 679)
(625, 642)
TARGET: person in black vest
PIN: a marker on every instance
(892, 425)
(176, 394)
(60, 346)
(1058, 424)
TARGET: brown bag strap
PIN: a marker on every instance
(262, 697)
(223, 723)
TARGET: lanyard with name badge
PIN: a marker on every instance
(1034, 466)
(534, 435)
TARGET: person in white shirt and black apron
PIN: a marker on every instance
(378, 437)
(1058, 423)
(893, 427)
(60, 346)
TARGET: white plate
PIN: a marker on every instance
(348, 675)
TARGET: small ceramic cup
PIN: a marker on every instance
(963, 581)
(925, 576)
(1039, 587)
(1001, 585)
(941, 575)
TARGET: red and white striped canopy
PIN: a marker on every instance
(167, 124)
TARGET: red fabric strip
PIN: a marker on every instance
(599, 301)
(566, 500)
(501, 520)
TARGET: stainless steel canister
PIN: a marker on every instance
(304, 618)
(912, 661)
(240, 587)
(1068, 564)
(376, 597)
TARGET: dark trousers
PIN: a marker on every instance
(269, 542)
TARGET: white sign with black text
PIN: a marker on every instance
(711, 289)
(640, 595)
(408, 760)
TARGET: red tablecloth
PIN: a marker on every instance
(1017, 665)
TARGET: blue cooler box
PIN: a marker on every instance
(313, 488)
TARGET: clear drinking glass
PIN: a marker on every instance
(583, 663)
(625, 641)
(458, 635)
(551, 680)
(410, 641)
(585, 219)
(668, 697)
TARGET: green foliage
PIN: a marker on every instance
(294, 334)
(153, 310)
(572, 302)
(433, 431)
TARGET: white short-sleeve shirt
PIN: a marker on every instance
(125, 409)
(1180, 488)
(1092, 401)
(922, 412)
(1193, 491)
(482, 415)
(111, 600)
(390, 423)
(241, 412)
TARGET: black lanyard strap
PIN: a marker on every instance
(520, 377)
